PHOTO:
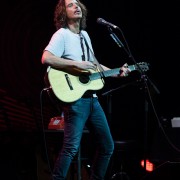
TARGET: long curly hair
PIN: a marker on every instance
(60, 17)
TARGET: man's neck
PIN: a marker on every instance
(74, 27)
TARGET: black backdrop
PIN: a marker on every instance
(151, 30)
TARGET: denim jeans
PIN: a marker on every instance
(76, 115)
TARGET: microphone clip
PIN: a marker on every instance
(105, 23)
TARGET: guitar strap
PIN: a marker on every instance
(95, 60)
(82, 47)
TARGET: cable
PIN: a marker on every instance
(43, 132)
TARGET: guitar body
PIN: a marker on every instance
(69, 88)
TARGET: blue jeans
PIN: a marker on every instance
(76, 115)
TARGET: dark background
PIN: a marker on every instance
(151, 30)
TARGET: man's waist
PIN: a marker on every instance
(89, 94)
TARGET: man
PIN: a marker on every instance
(70, 50)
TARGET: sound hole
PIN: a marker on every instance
(84, 79)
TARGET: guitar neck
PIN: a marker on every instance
(110, 72)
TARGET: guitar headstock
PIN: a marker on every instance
(144, 66)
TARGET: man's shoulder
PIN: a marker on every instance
(84, 32)
(61, 30)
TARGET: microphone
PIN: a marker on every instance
(103, 22)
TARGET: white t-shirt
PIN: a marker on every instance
(64, 43)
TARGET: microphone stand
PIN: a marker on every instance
(144, 78)
(108, 94)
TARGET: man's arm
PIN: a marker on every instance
(69, 66)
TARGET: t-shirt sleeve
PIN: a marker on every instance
(56, 44)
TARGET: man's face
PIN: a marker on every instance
(73, 9)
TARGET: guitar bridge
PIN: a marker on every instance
(69, 81)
